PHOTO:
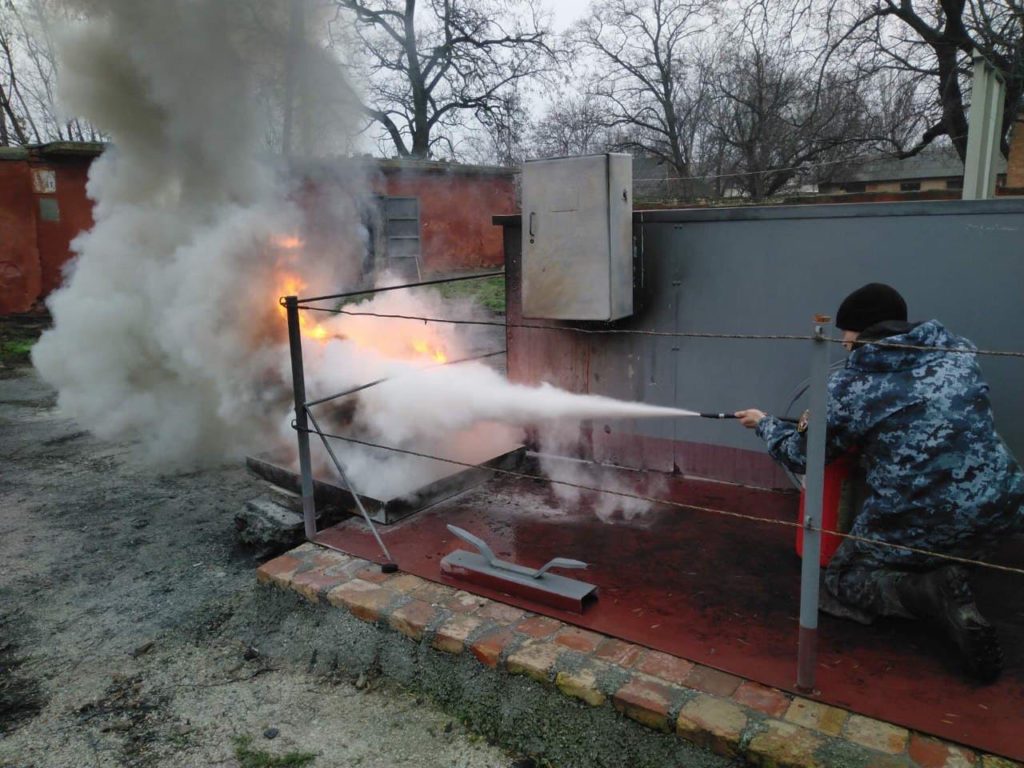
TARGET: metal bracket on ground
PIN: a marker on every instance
(535, 584)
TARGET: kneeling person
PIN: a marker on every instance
(939, 477)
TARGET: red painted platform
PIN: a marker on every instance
(725, 592)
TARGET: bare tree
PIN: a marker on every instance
(648, 77)
(773, 121)
(12, 111)
(17, 124)
(28, 75)
(935, 41)
(573, 125)
(505, 126)
(432, 66)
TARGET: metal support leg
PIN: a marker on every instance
(291, 304)
(807, 653)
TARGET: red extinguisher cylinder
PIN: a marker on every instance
(836, 506)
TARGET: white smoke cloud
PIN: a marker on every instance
(559, 442)
(167, 328)
(467, 412)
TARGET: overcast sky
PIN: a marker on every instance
(566, 11)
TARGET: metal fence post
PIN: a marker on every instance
(807, 653)
(984, 130)
(291, 305)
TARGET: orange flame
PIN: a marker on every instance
(287, 242)
(377, 336)
(423, 348)
(290, 285)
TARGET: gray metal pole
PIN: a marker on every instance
(291, 305)
(985, 128)
(807, 654)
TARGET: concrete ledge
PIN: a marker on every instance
(576, 697)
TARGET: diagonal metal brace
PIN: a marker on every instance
(351, 488)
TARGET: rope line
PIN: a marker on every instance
(573, 329)
(670, 503)
(856, 160)
(382, 289)
(669, 334)
(950, 350)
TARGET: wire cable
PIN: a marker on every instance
(669, 334)
(676, 504)
(856, 159)
(571, 328)
(420, 284)
(924, 348)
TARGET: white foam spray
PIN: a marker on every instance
(467, 412)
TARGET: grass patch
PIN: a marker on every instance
(15, 351)
(488, 292)
(257, 758)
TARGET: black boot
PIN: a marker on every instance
(944, 596)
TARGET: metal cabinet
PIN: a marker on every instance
(577, 238)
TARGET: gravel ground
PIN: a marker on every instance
(123, 638)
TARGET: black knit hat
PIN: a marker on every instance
(874, 303)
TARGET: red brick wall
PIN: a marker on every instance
(20, 271)
(456, 232)
(456, 206)
(55, 237)
(33, 251)
(1015, 163)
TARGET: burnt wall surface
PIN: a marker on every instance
(768, 270)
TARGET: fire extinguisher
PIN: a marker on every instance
(839, 505)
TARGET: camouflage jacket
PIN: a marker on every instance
(921, 420)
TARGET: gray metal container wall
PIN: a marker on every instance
(768, 270)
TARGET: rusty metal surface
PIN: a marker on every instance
(724, 592)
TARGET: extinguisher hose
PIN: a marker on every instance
(795, 395)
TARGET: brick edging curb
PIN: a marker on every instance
(730, 716)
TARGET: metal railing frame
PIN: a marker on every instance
(811, 524)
